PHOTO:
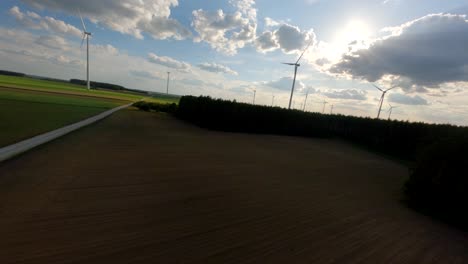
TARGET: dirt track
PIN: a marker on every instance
(145, 188)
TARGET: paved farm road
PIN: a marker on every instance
(146, 188)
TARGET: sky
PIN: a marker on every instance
(230, 48)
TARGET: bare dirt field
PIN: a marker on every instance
(146, 188)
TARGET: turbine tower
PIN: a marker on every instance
(305, 101)
(331, 110)
(382, 97)
(167, 86)
(390, 110)
(255, 93)
(296, 65)
(272, 100)
(86, 36)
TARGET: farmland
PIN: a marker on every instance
(25, 113)
(146, 187)
(73, 89)
(160, 190)
(29, 107)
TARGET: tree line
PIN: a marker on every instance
(401, 139)
(10, 73)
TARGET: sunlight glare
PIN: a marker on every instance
(355, 32)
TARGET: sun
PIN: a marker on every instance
(355, 30)
(354, 35)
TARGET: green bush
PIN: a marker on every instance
(156, 107)
(439, 184)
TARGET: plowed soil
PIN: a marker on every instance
(146, 188)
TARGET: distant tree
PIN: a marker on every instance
(10, 73)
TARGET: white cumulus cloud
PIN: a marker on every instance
(124, 16)
(426, 52)
(407, 99)
(217, 68)
(34, 21)
(351, 94)
(52, 42)
(169, 62)
(227, 32)
(287, 37)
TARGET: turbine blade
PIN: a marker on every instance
(82, 41)
(390, 89)
(82, 22)
(377, 87)
(292, 64)
(308, 45)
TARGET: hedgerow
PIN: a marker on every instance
(156, 107)
(403, 140)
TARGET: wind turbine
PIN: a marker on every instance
(305, 101)
(331, 110)
(272, 100)
(296, 65)
(382, 97)
(390, 110)
(86, 36)
(255, 92)
(324, 103)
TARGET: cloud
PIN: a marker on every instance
(346, 94)
(28, 55)
(169, 62)
(269, 22)
(322, 61)
(287, 37)
(124, 16)
(227, 32)
(218, 68)
(425, 52)
(144, 74)
(64, 60)
(107, 48)
(291, 38)
(266, 42)
(193, 82)
(52, 42)
(35, 21)
(163, 28)
(285, 84)
(406, 99)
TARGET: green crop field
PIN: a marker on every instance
(29, 107)
(68, 88)
(24, 113)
